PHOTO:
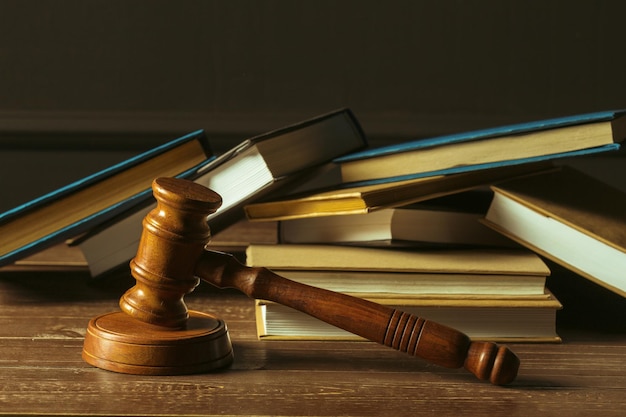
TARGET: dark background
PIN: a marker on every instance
(87, 83)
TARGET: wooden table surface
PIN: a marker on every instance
(43, 316)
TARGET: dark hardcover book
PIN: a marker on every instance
(256, 167)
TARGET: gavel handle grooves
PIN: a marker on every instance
(408, 333)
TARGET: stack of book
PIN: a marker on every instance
(489, 294)
(451, 228)
(387, 234)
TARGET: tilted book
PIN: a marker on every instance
(256, 167)
(369, 198)
(568, 217)
(513, 144)
(90, 201)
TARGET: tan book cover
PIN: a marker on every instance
(569, 217)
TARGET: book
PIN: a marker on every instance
(59, 257)
(362, 199)
(238, 236)
(81, 205)
(254, 168)
(570, 218)
(514, 319)
(449, 220)
(377, 271)
(388, 284)
(513, 144)
(63, 257)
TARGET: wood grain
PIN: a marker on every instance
(42, 322)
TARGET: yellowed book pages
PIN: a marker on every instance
(419, 284)
(335, 257)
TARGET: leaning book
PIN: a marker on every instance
(84, 204)
(504, 145)
(361, 199)
(257, 167)
(570, 218)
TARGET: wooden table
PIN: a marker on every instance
(43, 316)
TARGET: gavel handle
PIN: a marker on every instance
(408, 333)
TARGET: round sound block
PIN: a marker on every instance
(120, 343)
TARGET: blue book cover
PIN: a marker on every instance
(513, 129)
(101, 216)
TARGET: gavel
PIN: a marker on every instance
(155, 333)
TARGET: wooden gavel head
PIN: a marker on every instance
(155, 333)
(174, 236)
